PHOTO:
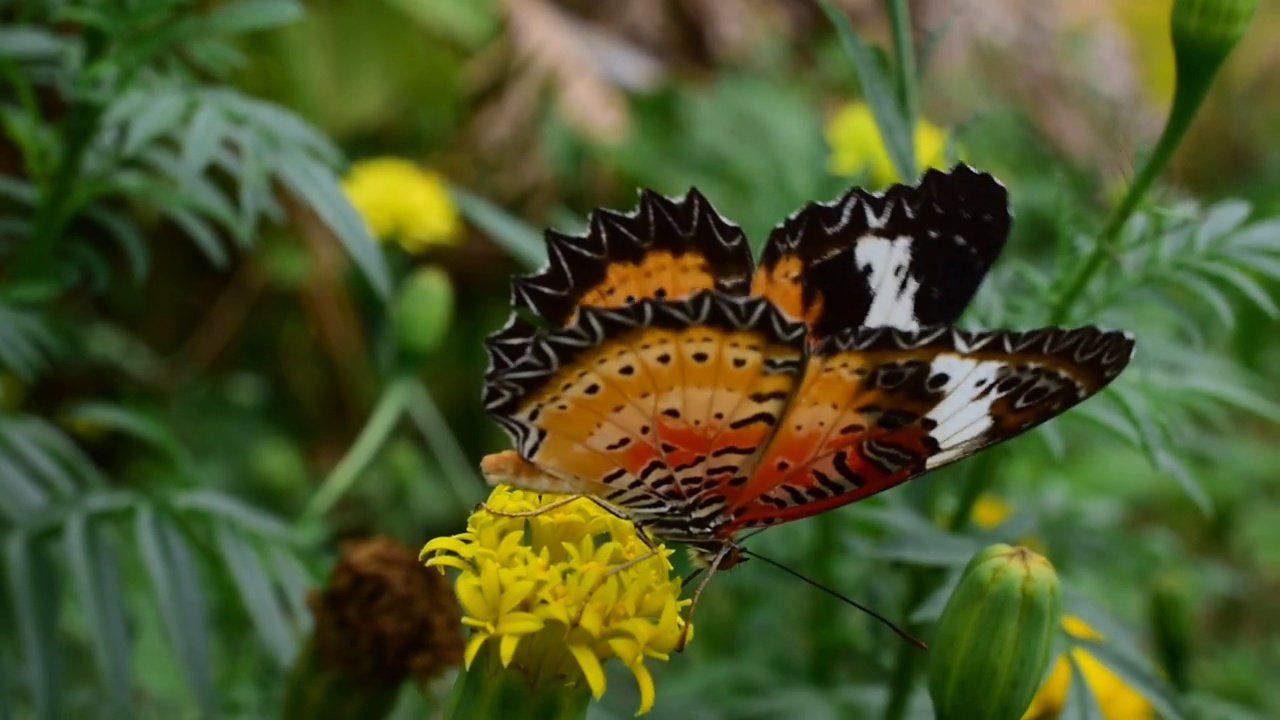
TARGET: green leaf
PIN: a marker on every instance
(202, 234)
(29, 44)
(178, 600)
(252, 15)
(54, 441)
(95, 574)
(1080, 703)
(134, 423)
(25, 342)
(1219, 221)
(202, 138)
(25, 451)
(33, 588)
(519, 240)
(295, 583)
(160, 114)
(258, 594)
(1211, 295)
(316, 186)
(285, 134)
(877, 90)
(127, 235)
(23, 496)
(457, 469)
(1247, 395)
(1263, 236)
(214, 502)
(1172, 466)
(1245, 284)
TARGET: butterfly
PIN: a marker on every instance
(701, 394)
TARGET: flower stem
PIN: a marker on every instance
(904, 59)
(1195, 77)
(923, 580)
(371, 439)
(906, 662)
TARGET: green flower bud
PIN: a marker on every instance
(423, 311)
(995, 635)
(1207, 30)
(1172, 621)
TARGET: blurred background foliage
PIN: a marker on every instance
(211, 373)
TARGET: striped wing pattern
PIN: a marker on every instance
(704, 395)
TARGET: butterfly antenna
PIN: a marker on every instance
(886, 621)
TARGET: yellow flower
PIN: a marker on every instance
(990, 510)
(400, 201)
(549, 589)
(856, 145)
(1117, 700)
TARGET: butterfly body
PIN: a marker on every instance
(702, 395)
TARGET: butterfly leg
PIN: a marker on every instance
(724, 552)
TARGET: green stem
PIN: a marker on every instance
(56, 207)
(1193, 84)
(904, 52)
(906, 663)
(457, 469)
(923, 580)
(981, 472)
(371, 439)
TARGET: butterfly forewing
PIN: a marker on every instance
(666, 248)
(912, 256)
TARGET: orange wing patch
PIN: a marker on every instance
(877, 407)
(666, 248)
(637, 402)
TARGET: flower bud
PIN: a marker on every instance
(424, 309)
(995, 635)
(1171, 621)
(1207, 30)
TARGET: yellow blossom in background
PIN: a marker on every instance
(856, 145)
(990, 510)
(549, 591)
(401, 202)
(1117, 700)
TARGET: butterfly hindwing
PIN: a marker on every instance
(665, 248)
(910, 257)
(649, 404)
(878, 406)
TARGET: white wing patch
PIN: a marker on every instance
(884, 262)
(965, 411)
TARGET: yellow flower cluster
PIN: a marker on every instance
(401, 202)
(555, 592)
(856, 145)
(1117, 700)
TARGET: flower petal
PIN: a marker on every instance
(591, 668)
(519, 623)
(473, 646)
(507, 648)
(645, 681)
(472, 598)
